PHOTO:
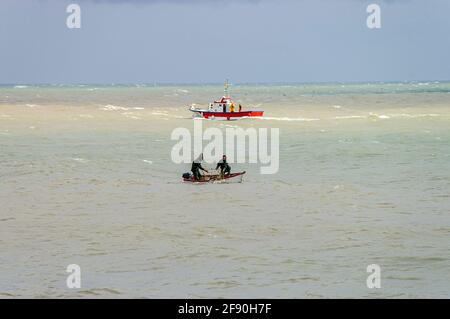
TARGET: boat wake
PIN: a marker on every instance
(289, 119)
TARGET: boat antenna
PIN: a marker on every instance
(226, 85)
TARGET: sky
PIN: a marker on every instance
(207, 41)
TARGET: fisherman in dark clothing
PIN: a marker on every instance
(197, 166)
(224, 167)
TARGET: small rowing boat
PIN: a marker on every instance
(215, 178)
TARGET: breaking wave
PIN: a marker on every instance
(111, 107)
(289, 119)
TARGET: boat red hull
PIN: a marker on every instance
(230, 115)
(215, 178)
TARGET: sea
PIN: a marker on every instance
(87, 178)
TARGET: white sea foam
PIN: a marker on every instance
(159, 113)
(346, 117)
(110, 107)
(385, 116)
(131, 115)
(376, 116)
(79, 159)
(288, 119)
(415, 115)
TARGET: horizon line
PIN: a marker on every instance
(163, 83)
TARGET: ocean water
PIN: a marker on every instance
(87, 179)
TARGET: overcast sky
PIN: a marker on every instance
(196, 41)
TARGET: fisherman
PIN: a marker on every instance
(197, 166)
(240, 107)
(224, 167)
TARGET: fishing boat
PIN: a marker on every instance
(215, 178)
(225, 109)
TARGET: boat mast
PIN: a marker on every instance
(225, 90)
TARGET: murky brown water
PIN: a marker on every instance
(86, 178)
